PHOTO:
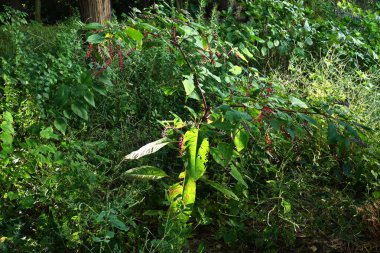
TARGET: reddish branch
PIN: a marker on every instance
(174, 41)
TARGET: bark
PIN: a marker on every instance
(37, 10)
(98, 11)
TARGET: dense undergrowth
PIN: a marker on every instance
(267, 117)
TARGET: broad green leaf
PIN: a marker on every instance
(189, 191)
(309, 41)
(60, 124)
(12, 195)
(194, 95)
(264, 51)
(174, 191)
(241, 139)
(63, 94)
(7, 116)
(286, 205)
(195, 158)
(104, 79)
(276, 43)
(235, 173)
(7, 130)
(332, 134)
(93, 26)
(241, 56)
(89, 97)
(100, 89)
(309, 119)
(190, 141)
(117, 223)
(201, 160)
(236, 70)
(297, 102)
(270, 44)
(6, 138)
(79, 110)
(188, 84)
(96, 39)
(223, 189)
(134, 34)
(222, 154)
(247, 53)
(148, 149)
(188, 197)
(48, 133)
(175, 197)
(145, 173)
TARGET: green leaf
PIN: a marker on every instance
(63, 94)
(309, 119)
(286, 205)
(100, 89)
(96, 39)
(6, 138)
(7, 117)
(79, 109)
(188, 197)
(264, 51)
(48, 133)
(332, 134)
(270, 44)
(12, 195)
(195, 159)
(145, 173)
(93, 26)
(235, 173)
(201, 160)
(190, 141)
(297, 102)
(309, 41)
(104, 79)
(148, 149)
(247, 53)
(241, 139)
(223, 189)
(236, 70)
(134, 34)
(89, 97)
(188, 84)
(241, 56)
(189, 191)
(222, 154)
(60, 124)
(117, 223)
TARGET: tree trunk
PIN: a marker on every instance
(98, 11)
(37, 10)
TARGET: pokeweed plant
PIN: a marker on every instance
(230, 106)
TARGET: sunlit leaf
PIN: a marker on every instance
(297, 102)
(188, 84)
(145, 173)
(236, 70)
(241, 139)
(148, 149)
